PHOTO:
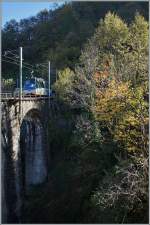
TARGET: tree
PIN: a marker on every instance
(108, 86)
(62, 32)
(138, 57)
(63, 85)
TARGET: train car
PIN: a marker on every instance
(34, 86)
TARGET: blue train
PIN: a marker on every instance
(34, 86)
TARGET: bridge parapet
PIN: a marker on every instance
(11, 96)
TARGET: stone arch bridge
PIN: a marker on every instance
(25, 155)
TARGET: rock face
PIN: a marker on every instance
(24, 154)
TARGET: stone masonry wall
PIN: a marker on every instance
(24, 153)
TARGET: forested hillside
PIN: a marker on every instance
(59, 35)
(108, 143)
(99, 137)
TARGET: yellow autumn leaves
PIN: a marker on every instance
(124, 112)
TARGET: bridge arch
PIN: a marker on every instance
(25, 152)
(32, 150)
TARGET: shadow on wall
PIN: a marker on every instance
(28, 168)
(33, 154)
(9, 196)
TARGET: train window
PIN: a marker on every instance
(40, 84)
(37, 84)
(29, 83)
(32, 80)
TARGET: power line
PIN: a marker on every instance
(14, 60)
(9, 52)
(40, 64)
(28, 64)
(15, 63)
(27, 67)
(14, 50)
(9, 61)
(11, 58)
(43, 63)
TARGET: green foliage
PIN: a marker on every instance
(107, 84)
(102, 153)
(132, 127)
(7, 85)
(123, 195)
(63, 85)
(138, 57)
(111, 33)
(86, 133)
(124, 112)
(105, 137)
(60, 34)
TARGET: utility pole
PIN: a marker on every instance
(49, 81)
(20, 71)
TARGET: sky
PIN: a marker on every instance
(21, 10)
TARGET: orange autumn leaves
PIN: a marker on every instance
(122, 109)
(110, 95)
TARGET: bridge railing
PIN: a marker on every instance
(11, 95)
(6, 95)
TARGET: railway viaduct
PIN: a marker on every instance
(25, 155)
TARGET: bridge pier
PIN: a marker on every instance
(25, 153)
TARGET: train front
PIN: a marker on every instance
(29, 87)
